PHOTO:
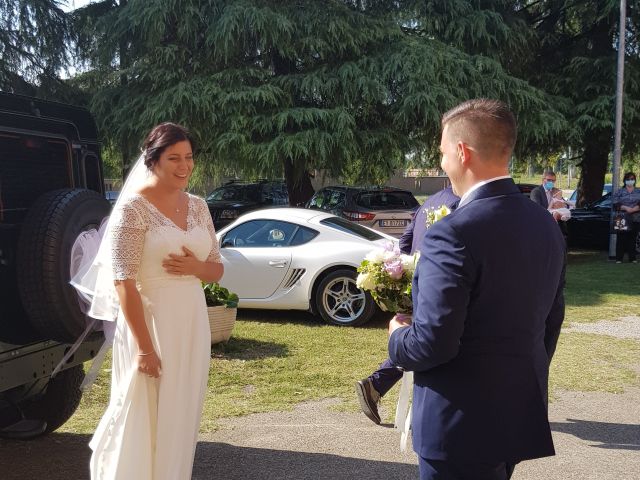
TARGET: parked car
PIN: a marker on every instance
(385, 209)
(235, 198)
(526, 188)
(299, 259)
(589, 227)
(51, 191)
(574, 196)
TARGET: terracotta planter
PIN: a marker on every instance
(221, 322)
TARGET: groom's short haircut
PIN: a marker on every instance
(487, 126)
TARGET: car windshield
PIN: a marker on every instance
(346, 226)
(234, 193)
(386, 200)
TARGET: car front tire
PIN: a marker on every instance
(340, 302)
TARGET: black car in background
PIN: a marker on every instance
(526, 188)
(386, 209)
(589, 226)
(234, 198)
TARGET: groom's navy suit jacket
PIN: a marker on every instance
(488, 306)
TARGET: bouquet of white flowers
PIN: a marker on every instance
(387, 275)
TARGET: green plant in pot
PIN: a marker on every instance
(217, 296)
(221, 309)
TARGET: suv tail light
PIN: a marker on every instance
(358, 217)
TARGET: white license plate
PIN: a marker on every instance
(394, 223)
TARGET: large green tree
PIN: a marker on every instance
(34, 45)
(280, 87)
(576, 59)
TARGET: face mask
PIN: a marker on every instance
(548, 185)
(629, 183)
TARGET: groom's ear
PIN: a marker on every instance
(464, 153)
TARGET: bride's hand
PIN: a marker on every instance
(149, 364)
(186, 264)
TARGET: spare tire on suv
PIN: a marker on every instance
(51, 190)
(51, 226)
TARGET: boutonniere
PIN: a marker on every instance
(434, 214)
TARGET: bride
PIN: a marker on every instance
(158, 246)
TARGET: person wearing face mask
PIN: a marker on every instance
(627, 199)
(550, 197)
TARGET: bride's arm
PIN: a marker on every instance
(210, 271)
(127, 242)
(131, 304)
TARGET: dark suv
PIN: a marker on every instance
(234, 198)
(51, 191)
(386, 209)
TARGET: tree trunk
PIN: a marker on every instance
(593, 166)
(296, 175)
(298, 183)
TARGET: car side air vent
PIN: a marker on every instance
(296, 274)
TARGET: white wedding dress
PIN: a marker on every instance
(150, 428)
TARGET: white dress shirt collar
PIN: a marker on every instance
(477, 186)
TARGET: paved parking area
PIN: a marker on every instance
(597, 437)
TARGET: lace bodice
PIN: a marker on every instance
(141, 237)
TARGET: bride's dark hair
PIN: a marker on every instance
(161, 137)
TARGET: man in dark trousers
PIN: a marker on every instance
(487, 311)
(371, 389)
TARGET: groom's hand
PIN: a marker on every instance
(397, 323)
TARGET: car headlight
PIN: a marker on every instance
(229, 214)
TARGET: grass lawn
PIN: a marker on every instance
(278, 359)
(598, 289)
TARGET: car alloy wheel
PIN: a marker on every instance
(341, 302)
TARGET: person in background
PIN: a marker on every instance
(371, 389)
(627, 199)
(550, 197)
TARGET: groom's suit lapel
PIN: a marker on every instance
(506, 186)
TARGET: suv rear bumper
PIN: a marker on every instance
(20, 365)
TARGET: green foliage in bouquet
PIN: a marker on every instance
(217, 296)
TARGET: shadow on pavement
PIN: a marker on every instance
(617, 436)
(222, 460)
(65, 456)
(57, 456)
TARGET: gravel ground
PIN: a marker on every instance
(624, 327)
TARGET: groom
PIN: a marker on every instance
(488, 306)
